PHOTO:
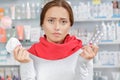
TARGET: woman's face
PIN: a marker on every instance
(56, 24)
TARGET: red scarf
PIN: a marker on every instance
(53, 51)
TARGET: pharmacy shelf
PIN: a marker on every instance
(106, 66)
(9, 65)
(109, 43)
(98, 19)
(31, 19)
(9, 62)
(25, 44)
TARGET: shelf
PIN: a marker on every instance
(35, 19)
(106, 66)
(99, 19)
(109, 43)
(23, 43)
(6, 65)
(9, 64)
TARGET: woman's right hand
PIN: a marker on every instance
(21, 54)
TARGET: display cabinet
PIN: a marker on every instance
(88, 14)
(91, 14)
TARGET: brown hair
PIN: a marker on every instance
(61, 3)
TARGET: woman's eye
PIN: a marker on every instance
(64, 22)
(51, 21)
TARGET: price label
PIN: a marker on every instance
(96, 1)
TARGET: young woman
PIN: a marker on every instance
(57, 56)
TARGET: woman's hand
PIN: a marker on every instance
(21, 54)
(89, 52)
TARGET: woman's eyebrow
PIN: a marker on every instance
(63, 18)
(56, 18)
(52, 17)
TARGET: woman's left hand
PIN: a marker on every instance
(89, 51)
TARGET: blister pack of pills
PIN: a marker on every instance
(97, 36)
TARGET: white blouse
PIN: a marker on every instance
(73, 67)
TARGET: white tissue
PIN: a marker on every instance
(11, 44)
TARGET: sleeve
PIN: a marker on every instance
(84, 69)
(27, 71)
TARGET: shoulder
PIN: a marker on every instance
(35, 45)
(33, 48)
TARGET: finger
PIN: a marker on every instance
(88, 50)
(95, 49)
(89, 54)
(21, 54)
(85, 54)
(26, 55)
(84, 47)
(16, 51)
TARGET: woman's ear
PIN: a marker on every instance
(41, 26)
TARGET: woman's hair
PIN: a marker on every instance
(59, 3)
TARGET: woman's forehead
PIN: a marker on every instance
(57, 12)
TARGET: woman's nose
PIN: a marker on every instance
(57, 26)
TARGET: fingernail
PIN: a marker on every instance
(19, 45)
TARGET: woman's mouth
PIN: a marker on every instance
(56, 34)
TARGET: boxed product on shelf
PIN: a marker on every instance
(12, 73)
(15, 73)
(2, 74)
(107, 58)
(3, 56)
(8, 74)
(87, 16)
(1, 12)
